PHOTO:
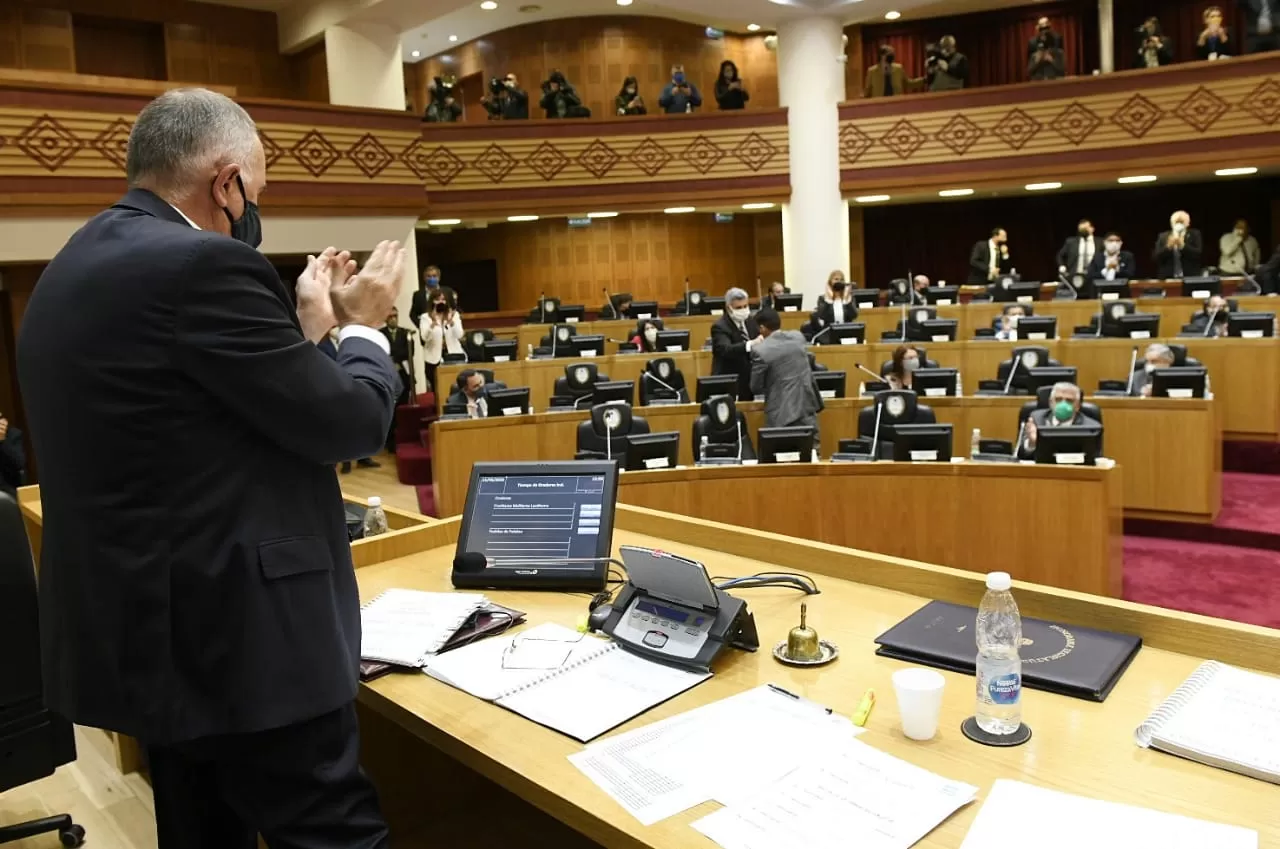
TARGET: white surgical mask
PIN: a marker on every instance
(1013, 320)
(651, 334)
(1150, 367)
(740, 314)
(1113, 247)
(1178, 226)
(911, 364)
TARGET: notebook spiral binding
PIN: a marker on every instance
(1176, 702)
(604, 649)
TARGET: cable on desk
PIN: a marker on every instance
(805, 584)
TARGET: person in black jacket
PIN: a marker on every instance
(1045, 57)
(834, 307)
(732, 337)
(1113, 262)
(629, 101)
(729, 91)
(506, 101)
(559, 100)
(13, 458)
(1178, 250)
(1153, 51)
(196, 583)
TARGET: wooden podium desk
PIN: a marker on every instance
(1168, 448)
(450, 767)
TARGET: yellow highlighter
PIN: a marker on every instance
(864, 708)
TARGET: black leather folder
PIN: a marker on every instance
(1064, 659)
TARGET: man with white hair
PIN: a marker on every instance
(1156, 356)
(196, 584)
(1178, 249)
(1063, 409)
(732, 338)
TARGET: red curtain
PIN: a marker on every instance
(994, 42)
(935, 238)
(1181, 21)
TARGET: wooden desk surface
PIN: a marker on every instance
(1169, 448)
(1078, 746)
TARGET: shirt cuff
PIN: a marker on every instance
(361, 332)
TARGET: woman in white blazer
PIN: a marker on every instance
(440, 329)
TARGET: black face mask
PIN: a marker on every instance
(248, 227)
(837, 288)
(441, 306)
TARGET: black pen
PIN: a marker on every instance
(790, 695)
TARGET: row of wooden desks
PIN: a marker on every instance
(1244, 373)
(1169, 449)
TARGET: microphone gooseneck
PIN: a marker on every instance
(1014, 362)
(1133, 361)
(875, 435)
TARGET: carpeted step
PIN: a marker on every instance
(1250, 516)
(1241, 584)
(413, 463)
(426, 499)
(1262, 458)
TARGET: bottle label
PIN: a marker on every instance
(1006, 689)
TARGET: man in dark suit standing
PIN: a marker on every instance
(990, 258)
(425, 295)
(13, 458)
(1113, 262)
(1045, 57)
(1078, 250)
(732, 338)
(1177, 251)
(196, 585)
(401, 341)
(780, 372)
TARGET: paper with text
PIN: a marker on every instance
(404, 626)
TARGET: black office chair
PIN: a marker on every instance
(605, 434)
(1233, 305)
(546, 311)
(814, 365)
(578, 382)
(1027, 357)
(694, 305)
(899, 406)
(1088, 408)
(899, 292)
(473, 344)
(657, 372)
(563, 346)
(34, 741)
(723, 425)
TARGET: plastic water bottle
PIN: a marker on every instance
(975, 442)
(999, 636)
(375, 518)
(702, 449)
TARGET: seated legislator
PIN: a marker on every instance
(13, 458)
(618, 308)
(835, 306)
(780, 371)
(1008, 331)
(1113, 262)
(906, 359)
(733, 336)
(913, 294)
(470, 393)
(990, 258)
(1156, 356)
(1212, 320)
(720, 430)
(645, 336)
(776, 291)
(1064, 409)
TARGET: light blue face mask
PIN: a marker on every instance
(1064, 411)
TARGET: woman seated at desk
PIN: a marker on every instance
(835, 307)
(646, 336)
(906, 359)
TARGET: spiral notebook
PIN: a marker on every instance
(404, 627)
(575, 684)
(1221, 716)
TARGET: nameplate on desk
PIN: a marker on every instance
(643, 315)
(1180, 392)
(573, 319)
(849, 340)
(827, 393)
(926, 456)
(502, 358)
(1139, 334)
(513, 411)
(674, 349)
(1037, 337)
(1251, 334)
(1200, 293)
(657, 463)
(588, 352)
(787, 457)
(1066, 459)
(935, 391)
(1110, 296)
(941, 337)
(942, 302)
(866, 305)
(1026, 299)
(716, 312)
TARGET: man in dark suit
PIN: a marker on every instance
(13, 458)
(1156, 356)
(780, 372)
(196, 585)
(1177, 251)
(1045, 57)
(422, 298)
(401, 341)
(990, 258)
(1078, 250)
(1113, 262)
(1063, 409)
(732, 338)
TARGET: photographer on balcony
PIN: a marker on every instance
(559, 100)
(442, 108)
(1045, 57)
(506, 101)
(946, 69)
(1153, 50)
(629, 101)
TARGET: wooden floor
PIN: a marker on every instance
(382, 482)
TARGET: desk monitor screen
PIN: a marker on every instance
(1037, 327)
(1067, 445)
(641, 310)
(1251, 325)
(943, 296)
(673, 340)
(613, 390)
(1034, 378)
(935, 330)
(717, 384)
(500, 350)
(591, 345)
(1110, 290)
(507, 402)
(537, 525)
(865, 299)
(1015, 291)
(1137, 325)
(845, 333)
(1201, 287)
(1179, 382)
(922, 443)
(790, 302)
(786, 445)
(571, 313)
(652, 451)
(830, 384)
(710, 306)
(934, 382)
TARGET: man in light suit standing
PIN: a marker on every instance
(780, 371)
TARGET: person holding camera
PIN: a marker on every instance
(680, 95)
(506, 101)
(1045, 58)
(887, 78)
(559, 100)
(442, 108)
(440, 329)
(1212, 43)
(729, 91)
(946, 69)
(1153, 51)
(629, 101)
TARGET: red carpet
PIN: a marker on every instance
(1256, 457)
(1250, 516)
(1242, 584)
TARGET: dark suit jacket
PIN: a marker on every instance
(824, 315)
(729, 352)
(1041, 419)
(1268, 274)
(1069, 253)
(196, 576)
(1193, 246)
(13, 461)
(1127, 270)
(980, 263)
(418, 305)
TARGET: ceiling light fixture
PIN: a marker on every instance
(753, 27)
(1141, 178)
(519, 218)
(453, 38)
(871, 198)
(1042, 187)
(443, 222)
(488, 5)
(602, 215)
(954, 193)
(892, 15)
(1235, 172)
(678, 210)
(415, 54)
(759, 205)
(624, 2)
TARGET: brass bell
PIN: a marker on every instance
(802, 642)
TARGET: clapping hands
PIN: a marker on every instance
(330, 291)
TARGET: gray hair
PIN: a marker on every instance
(1068, 388)
(185, 134)
(1162, 351)
(735, 294)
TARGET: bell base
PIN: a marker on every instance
(830, 651)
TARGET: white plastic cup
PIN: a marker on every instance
(919, 693)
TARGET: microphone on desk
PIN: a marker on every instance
(1208, 325)
(608, 299)
(667, 386)
(1133, 361)
(739, 423)
(1062, 277)
(688, 307)
(478, 561)
(1098, 332)
(1022, 429)
(820, 334)
(865, 370)
(1014, 362)
(875, 433)
(542, 305)
(1257, 287)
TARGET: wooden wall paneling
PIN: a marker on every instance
(114, 47)
(47, 41)
(187, 52)
(10, 37)
(768, 246)
(310, 72)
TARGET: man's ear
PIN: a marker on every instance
(225, 189)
